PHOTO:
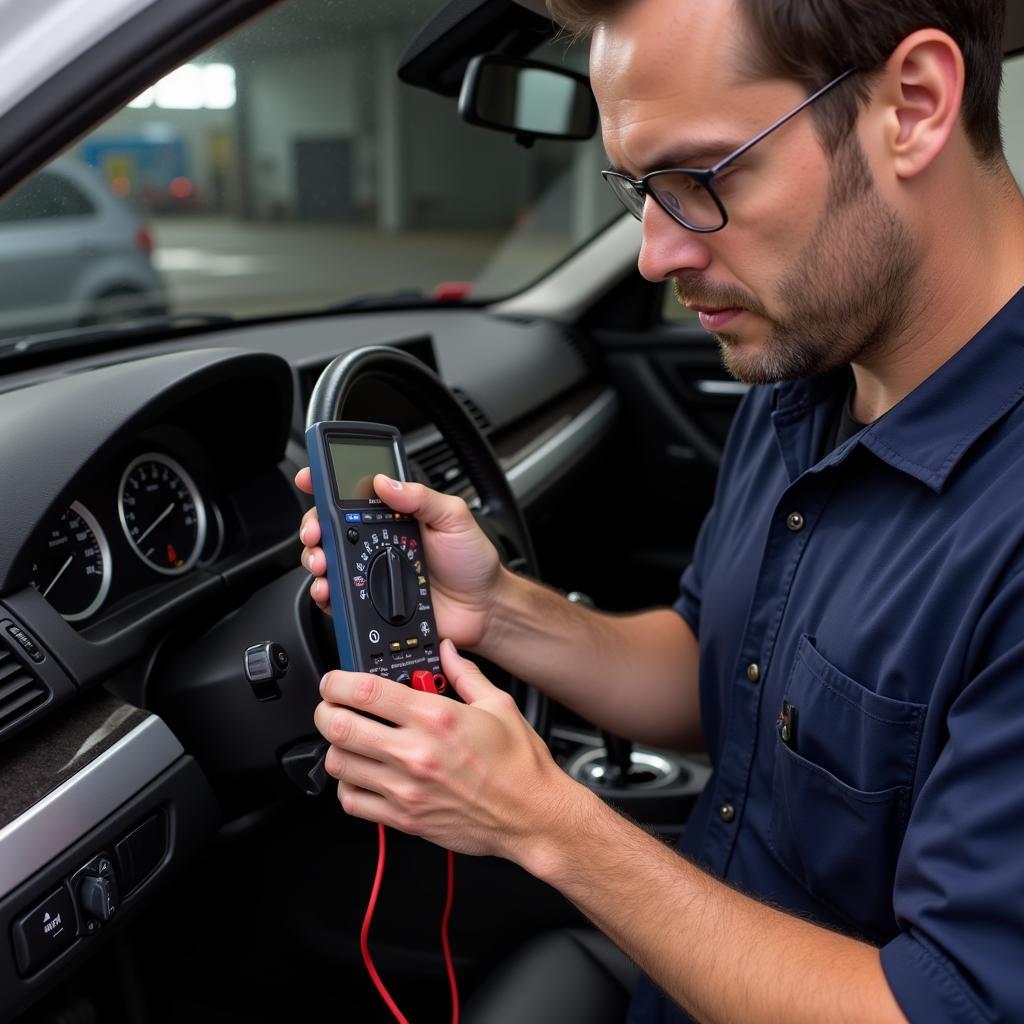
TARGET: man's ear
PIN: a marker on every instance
(921, 96)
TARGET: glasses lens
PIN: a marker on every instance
(626, 194)
(686, 199)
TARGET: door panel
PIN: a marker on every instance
(677, 405)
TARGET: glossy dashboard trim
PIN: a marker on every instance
(81, 803)
(559, 450)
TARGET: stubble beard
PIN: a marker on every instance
(848, 296)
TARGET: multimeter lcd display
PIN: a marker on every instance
(355, 461)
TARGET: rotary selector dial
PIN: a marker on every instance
(390, 575)
(393, 588)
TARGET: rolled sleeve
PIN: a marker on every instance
(927, 987)
(959, 888)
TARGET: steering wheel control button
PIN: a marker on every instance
(265, 663)
(26, 643)
(44, 932)
(795, 522)
(727, 812)
(754, 672)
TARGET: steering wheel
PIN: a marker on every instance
(498, 513)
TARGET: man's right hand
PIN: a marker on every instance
(464, 566)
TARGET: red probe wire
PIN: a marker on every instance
(364, 934)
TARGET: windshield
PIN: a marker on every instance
(287, 169)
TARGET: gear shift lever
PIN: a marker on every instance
(619, 751)
(620, 759)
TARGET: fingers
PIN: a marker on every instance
(394, 702)
(469, 682)
(348, 731)
(309, 528)
(313, 557)
(440, 511)
(320, 592)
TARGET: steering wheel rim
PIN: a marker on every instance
(498, 510)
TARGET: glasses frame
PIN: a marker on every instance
(705, 176)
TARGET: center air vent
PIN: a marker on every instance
(20, 690)
(476, 414)
(438, 461)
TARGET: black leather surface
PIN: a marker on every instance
(572, 976)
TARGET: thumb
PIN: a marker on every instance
(443, 512)
(469, 682)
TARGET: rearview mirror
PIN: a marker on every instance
(530, 99)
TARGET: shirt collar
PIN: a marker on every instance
(927, 433)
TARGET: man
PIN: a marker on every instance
(855, 610)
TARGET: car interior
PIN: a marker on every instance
(362, 212)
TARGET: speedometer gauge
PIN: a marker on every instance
(74, 571)
(162, 513)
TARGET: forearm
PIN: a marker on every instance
(635, 675)
(724, 957)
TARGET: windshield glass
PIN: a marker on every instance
(288, 169)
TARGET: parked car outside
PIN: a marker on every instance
(72, 254)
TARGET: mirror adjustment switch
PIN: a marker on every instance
(44, 932)
(96, 887)
(265, 664)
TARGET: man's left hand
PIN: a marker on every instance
(474, 778)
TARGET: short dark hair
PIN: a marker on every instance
(813, 42)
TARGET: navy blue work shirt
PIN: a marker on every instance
(879, 592)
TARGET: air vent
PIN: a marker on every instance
(441, 467)
(20, 691)
(476, 414)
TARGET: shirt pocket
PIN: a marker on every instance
(841, 789)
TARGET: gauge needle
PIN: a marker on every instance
(63, 569)
(156, 522)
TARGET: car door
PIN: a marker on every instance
(676, 405)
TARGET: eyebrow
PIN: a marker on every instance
(680, 157)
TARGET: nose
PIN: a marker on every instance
(668, 247)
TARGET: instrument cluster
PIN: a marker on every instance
(145, 520)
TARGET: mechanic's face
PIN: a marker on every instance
(813, 269)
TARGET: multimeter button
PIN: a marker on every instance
(424, 680)
(396, 645)
(353, 517)
(353, 535)
(367, 517)
(412, 642)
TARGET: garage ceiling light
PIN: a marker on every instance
(192, 87)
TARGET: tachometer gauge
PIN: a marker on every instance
(74, 571)
(162, 513)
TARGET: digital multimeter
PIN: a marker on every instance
(380, 592)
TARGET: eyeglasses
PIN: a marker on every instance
(687, 194)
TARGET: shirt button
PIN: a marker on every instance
(753, 672)
(795, 521)
(727, 812)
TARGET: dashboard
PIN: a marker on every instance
(151, 536)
